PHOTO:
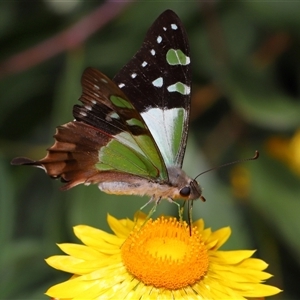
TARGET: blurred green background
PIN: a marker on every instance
(246, 72)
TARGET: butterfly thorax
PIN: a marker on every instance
(179, 186)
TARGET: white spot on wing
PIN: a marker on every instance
(158, 82)
(104, 80)
(88, 107)
(94, 101)
(83, 113)
(121, 85)
(152, 52)
(144, 64)
(164, 28)
(187, 90)
(96, 87)
(172, 88)
(96, 95)
(174, 26)
(112, 115)
(159, 39)
(133, 75)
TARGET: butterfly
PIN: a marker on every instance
(130, 133)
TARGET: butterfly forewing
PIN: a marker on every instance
(131, 147)
(158, 82)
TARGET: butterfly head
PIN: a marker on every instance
(186, 187)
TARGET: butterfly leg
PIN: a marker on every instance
(180, 208)
(151, 200)
(153, 209)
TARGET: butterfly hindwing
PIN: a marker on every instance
(74, 157)
(158, 82)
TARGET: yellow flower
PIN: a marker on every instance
(158, 259)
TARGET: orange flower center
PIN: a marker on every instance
(163, 254)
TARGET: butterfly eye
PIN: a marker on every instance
(185, 191)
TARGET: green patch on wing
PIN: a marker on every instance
(120, 102)
(177, 57)
(178, 132)
(180, 88)
(135, 155)
(135, 122)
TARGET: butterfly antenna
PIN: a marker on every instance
(256, 156)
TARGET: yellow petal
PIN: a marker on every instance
(68, 289)
(254, 263)
(78, 266)
(261, 290)
(249, 275)
(199, 224)
(120, 230)
(95, 237)
(80, 251)
(232, 257)
(221, 236)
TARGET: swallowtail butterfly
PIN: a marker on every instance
(130, 133)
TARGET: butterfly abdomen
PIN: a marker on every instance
(141, 187)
